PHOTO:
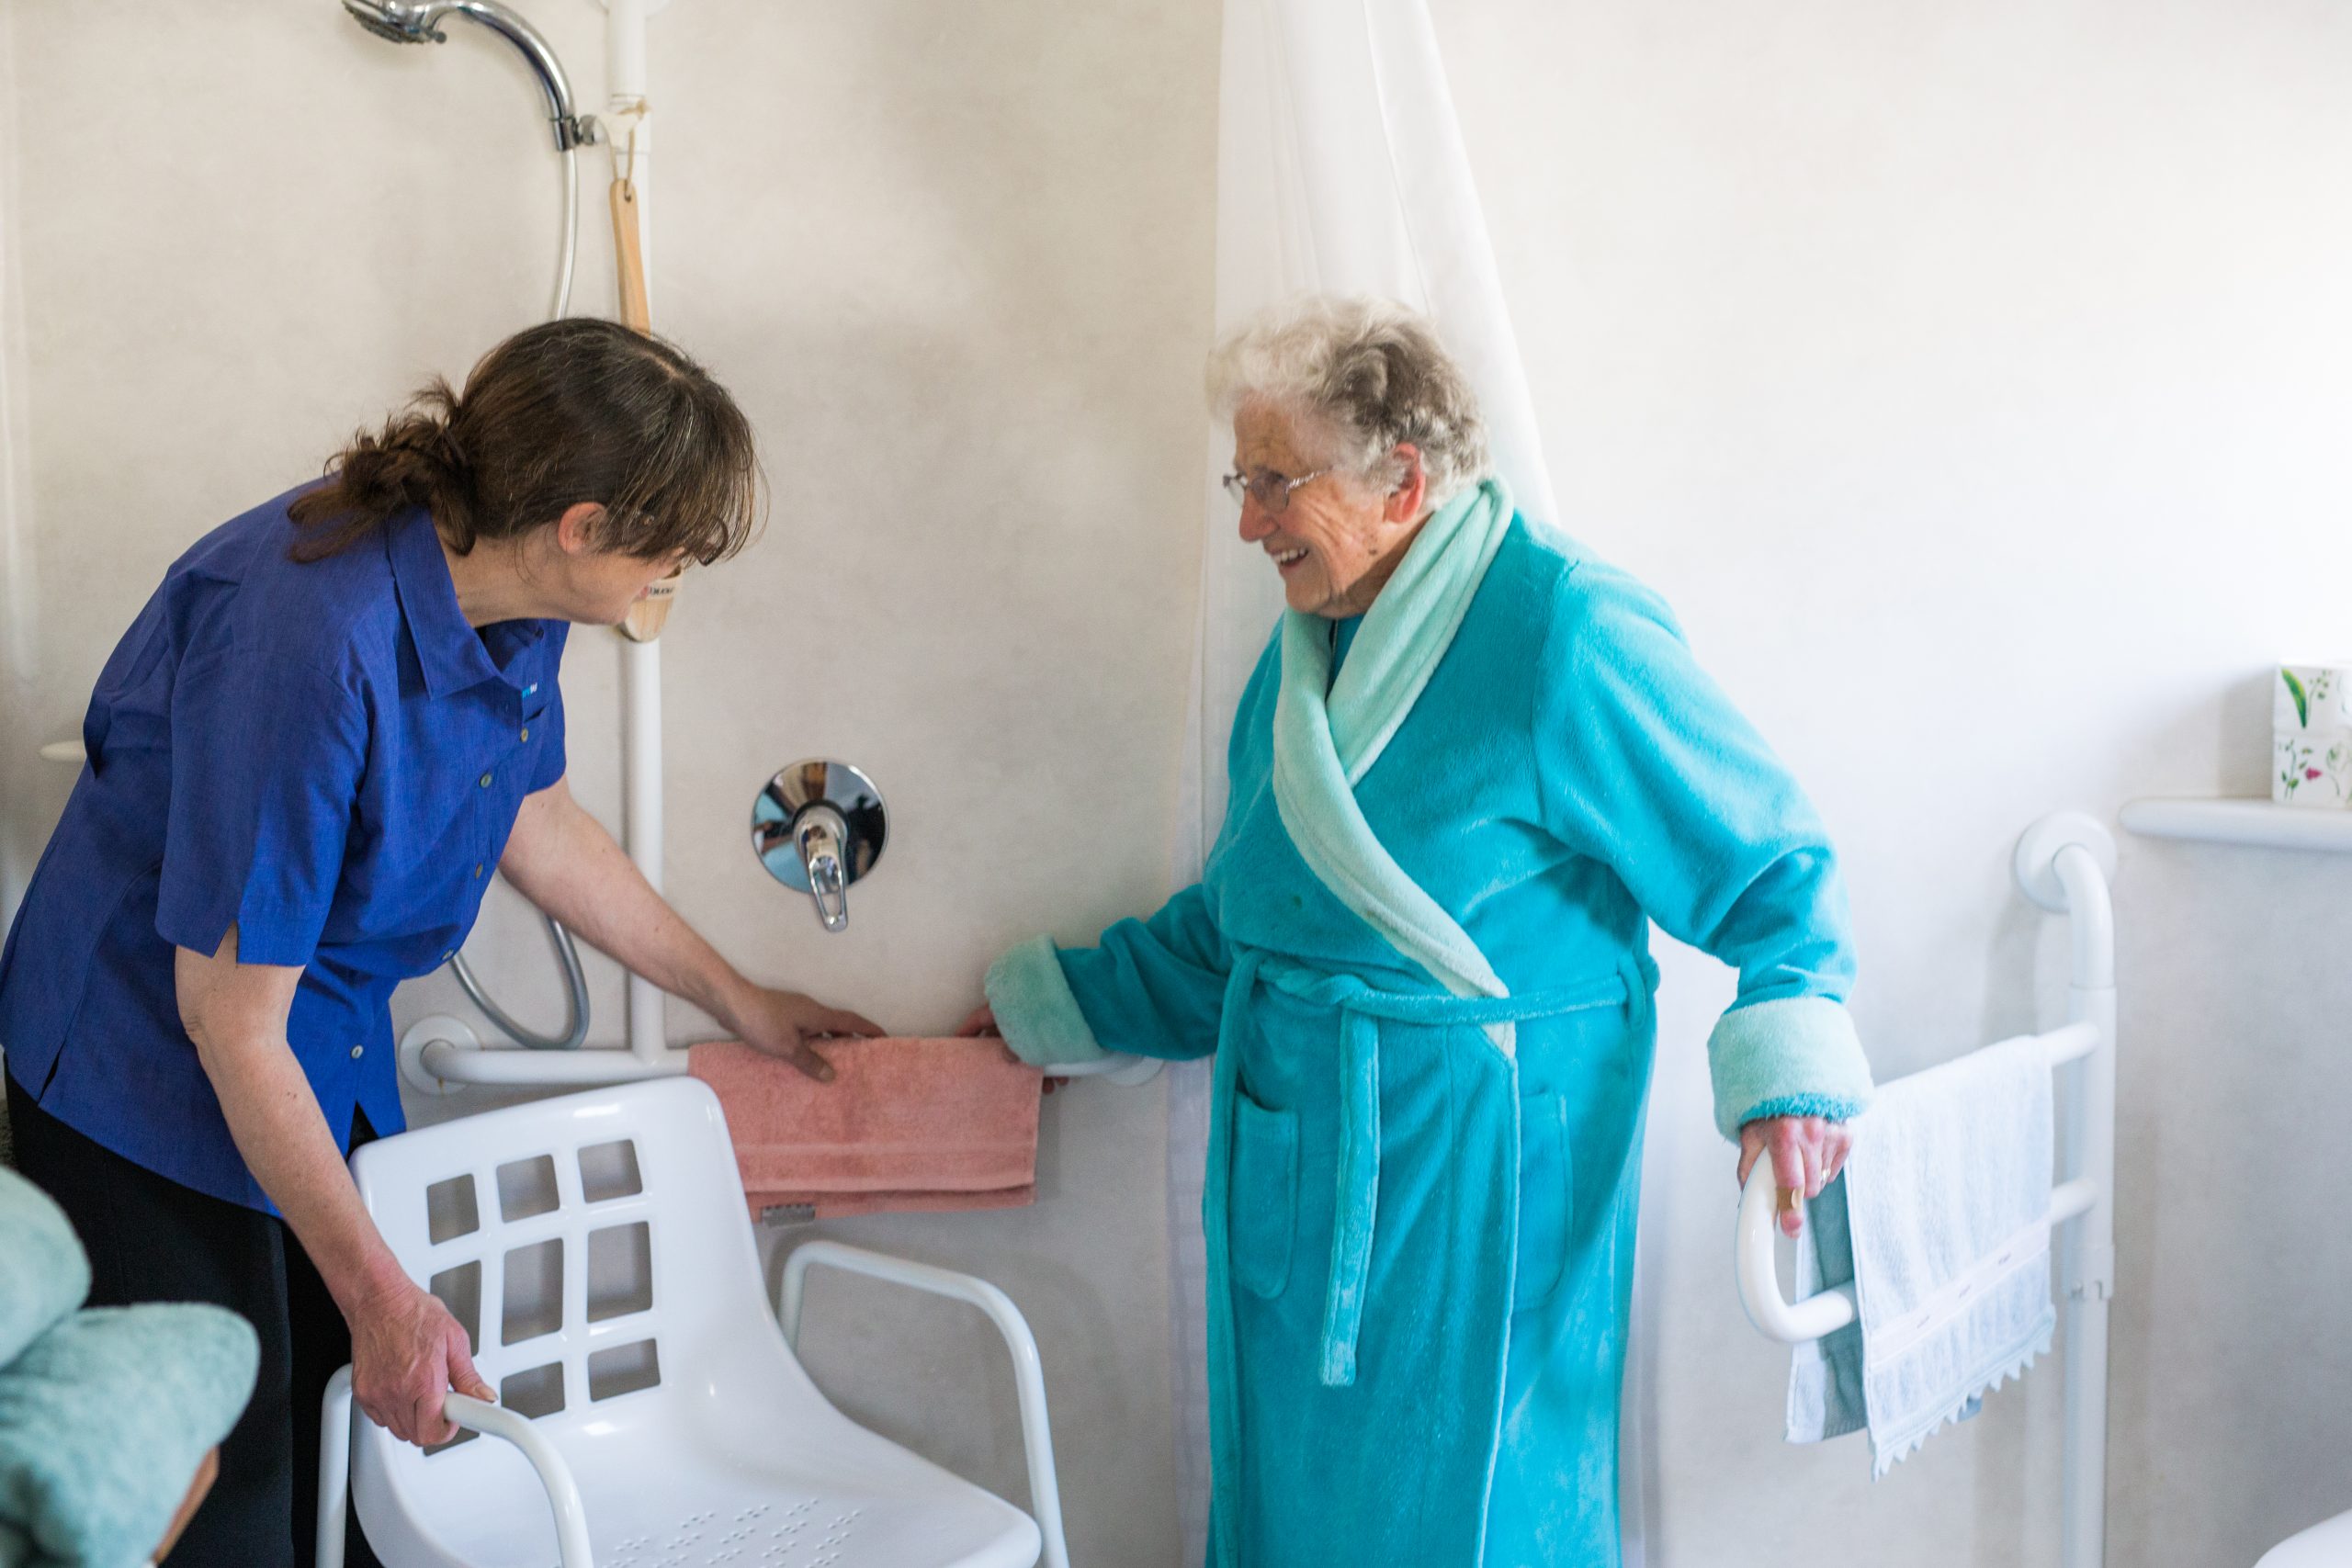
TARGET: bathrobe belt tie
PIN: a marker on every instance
(1361, 1011)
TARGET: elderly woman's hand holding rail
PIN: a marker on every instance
(1473, 764)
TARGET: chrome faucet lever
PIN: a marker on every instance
(818, 827)
(821, 834)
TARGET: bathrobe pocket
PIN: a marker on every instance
(1546, 1197)
(1263, 1197)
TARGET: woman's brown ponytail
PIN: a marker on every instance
(570, 410)
(413, 461)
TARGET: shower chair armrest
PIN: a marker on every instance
(1028, 1369)
(335, 1421)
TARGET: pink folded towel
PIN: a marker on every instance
(913, 1124)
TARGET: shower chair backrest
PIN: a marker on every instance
(597, 1248)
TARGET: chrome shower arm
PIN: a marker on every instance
(419, 21)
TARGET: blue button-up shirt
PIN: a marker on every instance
(325, 756)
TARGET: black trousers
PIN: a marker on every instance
(151, 1239)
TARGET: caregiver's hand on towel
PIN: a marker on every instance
(561, 859)
(781, 1024)
(1807, 1154)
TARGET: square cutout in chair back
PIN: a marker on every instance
(609, 1171)
(532, 1297)
(527, 1189)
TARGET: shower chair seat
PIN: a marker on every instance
(652, 1413)
(2327, 1544)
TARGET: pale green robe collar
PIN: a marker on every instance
(1328, 734)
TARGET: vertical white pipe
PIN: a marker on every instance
(629, 129)
(624, 51)
(2090, 1255)
(641, 819)
(628, 122)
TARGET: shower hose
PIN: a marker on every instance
(567, 950)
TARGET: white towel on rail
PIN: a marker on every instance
(1941, 1221)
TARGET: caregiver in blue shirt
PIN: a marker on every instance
(337, 716)
(1472, 766)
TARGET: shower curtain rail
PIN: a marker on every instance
(2064, 862)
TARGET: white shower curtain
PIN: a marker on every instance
(21, 768)
(1340, 169)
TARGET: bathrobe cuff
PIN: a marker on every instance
(1792, 1057)
(1035, 1011)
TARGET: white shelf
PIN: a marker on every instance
(2259, 823)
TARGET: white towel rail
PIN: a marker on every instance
(439, 1054)
(2065, 863)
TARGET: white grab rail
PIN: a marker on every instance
(2063, 863)
(438, 1053)
(1757, 1253)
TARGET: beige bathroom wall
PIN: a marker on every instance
(1972, 378)
(953, 261)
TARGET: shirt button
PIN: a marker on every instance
(356, 1051)
(477, 868)
(527, 732)
(448, 955)
(485, 781)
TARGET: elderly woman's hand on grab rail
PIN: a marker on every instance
(981, 1024)
(1807, 1154)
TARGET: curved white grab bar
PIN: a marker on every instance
(1754, 1259)
(1754, 1262)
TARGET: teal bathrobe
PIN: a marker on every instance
(1420, 1221)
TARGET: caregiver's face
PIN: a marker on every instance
(592, 586)
(1336, 539)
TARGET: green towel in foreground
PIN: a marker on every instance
(103, 1422)
(43, 1272)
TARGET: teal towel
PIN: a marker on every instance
(103, 1422)
(43, 1272)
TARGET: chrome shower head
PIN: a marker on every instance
(379, 20)
(399, 20)
(418, 22)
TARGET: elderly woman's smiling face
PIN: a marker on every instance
(1335, 538)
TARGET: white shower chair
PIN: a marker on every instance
(651, 1411)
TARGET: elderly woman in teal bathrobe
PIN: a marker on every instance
(1473, 765)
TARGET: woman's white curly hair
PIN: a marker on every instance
(1371, 373)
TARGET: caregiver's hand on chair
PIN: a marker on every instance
(407, 1353)
(1807, 1154)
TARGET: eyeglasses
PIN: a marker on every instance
(1268, 489)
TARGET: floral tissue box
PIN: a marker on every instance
(2311, 735)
